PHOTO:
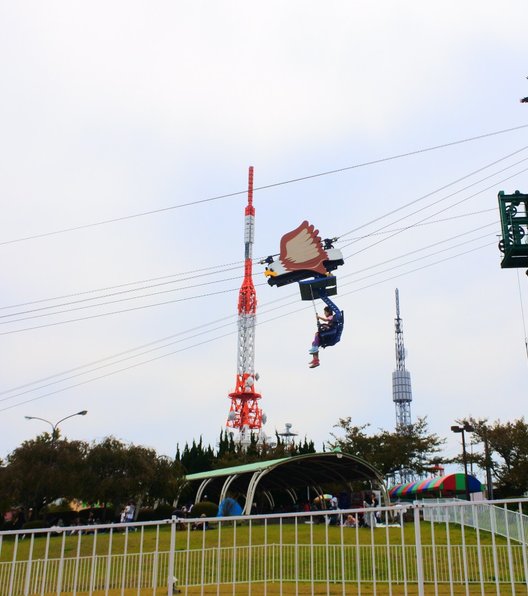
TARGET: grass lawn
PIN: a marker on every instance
(304, 589)
(245, 535)
(195, 566)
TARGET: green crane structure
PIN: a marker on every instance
(514, 226)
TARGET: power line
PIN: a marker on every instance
(217, 269)
(222, 269)
(136, 349)
(441, 210)
(377, 283)
(264, 187)
(451, 238)
(424, 223)
(414, 260)
(111, 373)
(116, 312)
(207, 283)
(121, 311)
(444, 187)
(193, 330)
(11, 320)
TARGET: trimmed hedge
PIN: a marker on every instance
(35, 524)
(210, 509)
(160, 512)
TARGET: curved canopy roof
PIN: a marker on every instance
(452, 483)
(297, 472)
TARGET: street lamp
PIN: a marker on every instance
(489, 480)
(467, 428)
(54, 427)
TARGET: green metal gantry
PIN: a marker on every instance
(514, 225)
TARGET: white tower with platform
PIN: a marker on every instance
(401, 377)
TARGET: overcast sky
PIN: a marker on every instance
(112, 109)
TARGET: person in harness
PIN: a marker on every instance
(328, 323)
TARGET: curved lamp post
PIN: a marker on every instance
(54, 427)
(467, 428)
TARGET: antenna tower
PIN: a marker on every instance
(401, 378)
(244, 413)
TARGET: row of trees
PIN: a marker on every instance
(500, 447)
(201, 458)
(48, 468)
(411, 448)
(112, 472)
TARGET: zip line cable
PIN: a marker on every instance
(129, 357)
(449, 196)
(5, 322)
(264, 187)
(425, 223)
(207, 283)
(106, 358)
(355, 281)
(377, 283)
(189, 298)
(489, 165)
(522, 313)
(111, 373)
(124, 310)
(417, 259)
(142, 346)
(150, 349)
(441, 210)
(229, 267)
(343, 276)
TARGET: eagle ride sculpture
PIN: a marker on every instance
(306, 259)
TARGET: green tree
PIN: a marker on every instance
(197, 458)
(508, 453)
(166, 482)
(116, 472)
(43, 470)
(409, 448)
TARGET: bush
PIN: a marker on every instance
(102, 515)
(160, 512)
(35, 524)
(210, 509)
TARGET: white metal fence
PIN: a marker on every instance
(422, 547)
(506, 519)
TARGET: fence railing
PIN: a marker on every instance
(423, 546)
(499, 519)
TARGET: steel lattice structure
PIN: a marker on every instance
(245, 414)
(401, 378)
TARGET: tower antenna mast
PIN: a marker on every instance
(401, 377)
(244, 413)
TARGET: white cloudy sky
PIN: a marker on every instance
(110, 109)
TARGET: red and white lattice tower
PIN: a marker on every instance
(245, 414)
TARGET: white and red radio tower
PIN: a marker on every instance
(244, 413)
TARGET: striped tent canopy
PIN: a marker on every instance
(437, 486)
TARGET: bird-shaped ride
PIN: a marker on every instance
(306, 259)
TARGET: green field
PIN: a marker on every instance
(265, 553)
(245, 535)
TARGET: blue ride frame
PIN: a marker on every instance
(321, 288)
